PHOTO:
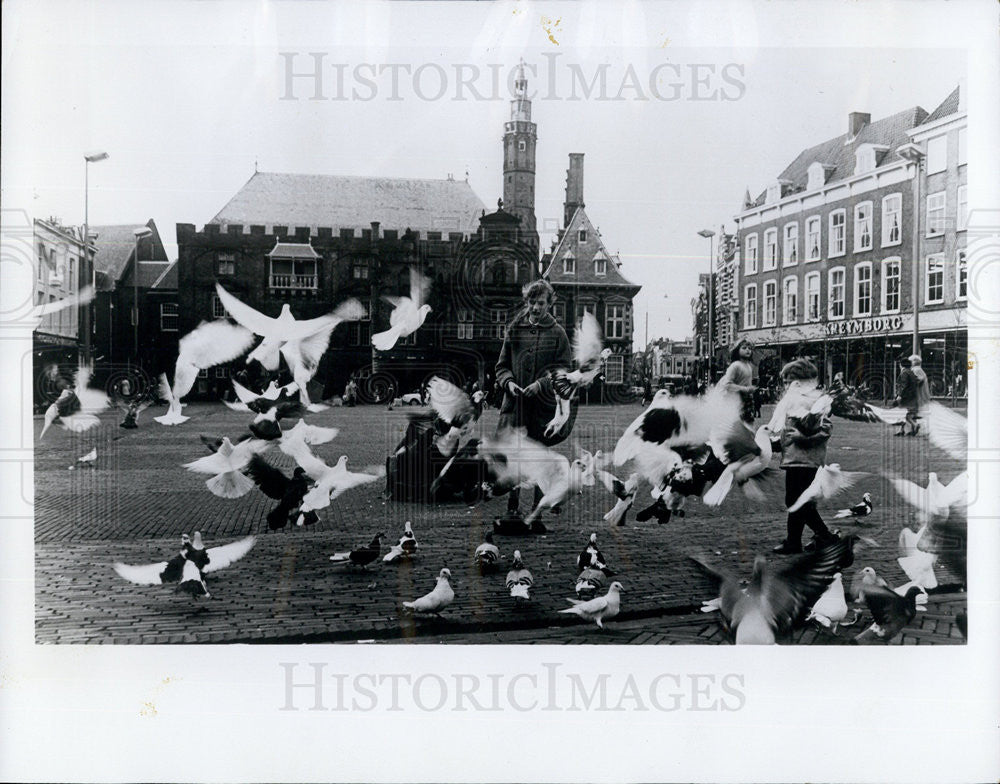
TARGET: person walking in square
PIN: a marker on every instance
(738, 379)
(913, 392)
(802, 442)
(533, 344)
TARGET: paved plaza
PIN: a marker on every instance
(135, 501)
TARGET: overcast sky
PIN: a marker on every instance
(187, 97)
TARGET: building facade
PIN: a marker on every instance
(831, 247)
(587, 278)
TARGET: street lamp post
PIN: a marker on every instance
(140, 233)
(93, 157)
(912, 153)
(710, 308)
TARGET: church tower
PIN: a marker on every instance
(519, 140)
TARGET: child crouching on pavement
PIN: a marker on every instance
(803, 438)
(533, 345)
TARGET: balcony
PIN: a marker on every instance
(295, 282)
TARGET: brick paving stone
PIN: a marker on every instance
(138, 499)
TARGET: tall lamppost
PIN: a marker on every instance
(93, 157)
(139, 233)
(915, 155)
(710, 309)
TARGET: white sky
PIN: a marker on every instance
(186, 97)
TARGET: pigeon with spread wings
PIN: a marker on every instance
(330, 481)
(408, 313)
(76, 408)
(829, 480)
(287, 491)
(588, 354)
(226, 466)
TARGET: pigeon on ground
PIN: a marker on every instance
(487, 555)
(891, 612)
(776, 600)
(436, 600)
(623, 491)
(226, 466)
(88, 459)
(189, 566)
(330, 481)
(406, 546)
(592, 556)
(829, 481)
(865, 578)
(862, 509)
(831, 608)
(77, 407)
(598, 608)
(592, 577)
(519, 580)
(132, 411)
(210, 343)
(361, 556)
(919, 568)
(408, 313)
(947, 430)
(747, 456)
(288, 492)
(588, 355)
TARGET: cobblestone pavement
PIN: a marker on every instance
(134, 503)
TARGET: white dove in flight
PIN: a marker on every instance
(226, 466)
(408, 313)
(77, 408)
(330, 481)
(829, 481)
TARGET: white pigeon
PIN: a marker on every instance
(89, 458)
(588, 355)
(519, 580)
(226, 465)
(436, 600)
(308, 434)
(746, 454)
(904, 589)
(831, 608)
(891, 416)
(285, 328)
(623, 491)
(598, 608)
(406, 546)
(935, 501)
(77, 408)
(330, 481)
(210, 343)
(408, 313)
(83, 297)
(947, 430)
(681, 420)
(864, 578)
(829, 481)
(919, 567)
(244, 396)
(515, 460)
(487, 555)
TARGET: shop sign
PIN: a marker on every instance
(865, 326)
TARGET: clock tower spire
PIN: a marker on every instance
(519, 140)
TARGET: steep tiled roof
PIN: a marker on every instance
(948, 106)
(342, 202)
(584, 253)
(838, 153)
(167, 279)
(115, 245)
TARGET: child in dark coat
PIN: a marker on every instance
(533, 345)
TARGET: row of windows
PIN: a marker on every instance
(836, 238)
(809, 307)
(600, 264)
(63, 275)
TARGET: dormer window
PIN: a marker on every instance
(773, 193)
(569, 264)
(600, 263)
(866, 157)
(817, 175)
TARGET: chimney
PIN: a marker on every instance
(574, 186)
(856, 121)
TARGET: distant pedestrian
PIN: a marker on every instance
(912, 392)
(738, 379)
(391, 396)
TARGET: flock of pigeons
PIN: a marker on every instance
(682, 446)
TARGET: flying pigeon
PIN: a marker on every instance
(278, 332)
(891, 612)
(519, 580)
(864, 579)
(831, 608)
(518, 461)
(623, 491)
(919, 567)
(747, 456)
(406, 546)
(436, 600)
(361, 556)
(309, 434)
(947, 430)
(598, 608)
(269, 409)
(862, 509)
(588, 355)
(891, 416)
(189, 566)
(936, 501)
(487, 555)
(77, 407)
(330, 481)
(226, 466)
(408, 313)
(210, 343)
(776, 600)
(135, 407)
(288, 492)
(592, 556)
(829, 481)
(83, 297)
